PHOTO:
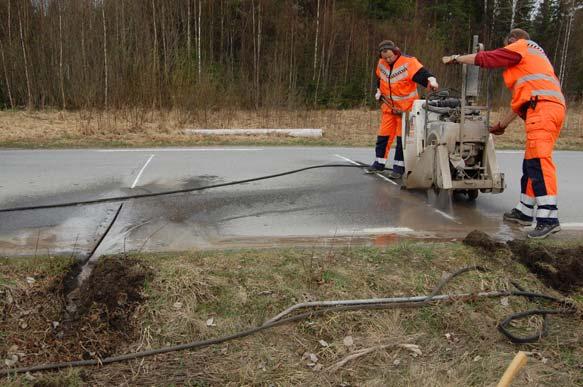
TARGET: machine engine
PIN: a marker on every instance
(447, 144)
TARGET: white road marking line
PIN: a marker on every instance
(181, 150)
(141, 171)
(347, 159)
(385, 178)
(509, 151)
(355, 163)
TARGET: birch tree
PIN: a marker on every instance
(7, 80)
(105, 67)
(29, 101)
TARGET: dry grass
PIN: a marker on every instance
(459, 342)
(571, 137)
(143, 127)
(137, 127)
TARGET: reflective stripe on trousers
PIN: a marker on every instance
(399, 163)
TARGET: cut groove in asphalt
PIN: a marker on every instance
(445, 215)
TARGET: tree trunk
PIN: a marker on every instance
(61, 74)
(188, 39)
(29, 103)
(348, 52)
(565, 49)
(83, 53)
(258, 66)
(6, 76)
(105, 95)
(163, 33)
(211, 18)
(199, 39)
(222, 37)
(316, 40)
(155, 59)
(9, 22)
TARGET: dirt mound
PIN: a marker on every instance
(482, 240)
(558, 267)
(115, 287)
(40, 328)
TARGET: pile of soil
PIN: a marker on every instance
(560, 268)
(38, 327)
(483, 241)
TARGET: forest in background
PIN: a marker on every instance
(250, 54)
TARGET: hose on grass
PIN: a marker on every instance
(433, 298)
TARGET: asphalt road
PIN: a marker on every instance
(322, 206)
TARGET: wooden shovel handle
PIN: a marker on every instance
(517, 363)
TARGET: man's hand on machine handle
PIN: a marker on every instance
(451, 59)
(432, 84)
(497, 129)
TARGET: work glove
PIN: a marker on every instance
(432, 83)
(378, 95)
(450, 59)
(497, 129)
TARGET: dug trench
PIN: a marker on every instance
(558, 267)
(39, 322)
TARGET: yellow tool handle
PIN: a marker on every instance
(518, 362)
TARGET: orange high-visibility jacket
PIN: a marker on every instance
(532, 77)
(397, 85)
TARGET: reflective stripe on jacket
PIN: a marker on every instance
(533, 76)
(396, 82)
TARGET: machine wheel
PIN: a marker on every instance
(472, 194)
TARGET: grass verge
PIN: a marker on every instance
(148, 128)
(198, 295)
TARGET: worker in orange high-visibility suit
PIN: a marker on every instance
(536, 98)
(397, 77)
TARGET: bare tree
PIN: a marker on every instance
(316, 39)
(7, 80)
(199, 51)
(568, 27)
(29, 103)
(105, 72)
(9, 22)
(188, 37)
(61, 74)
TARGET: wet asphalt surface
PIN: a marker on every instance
(311, 208)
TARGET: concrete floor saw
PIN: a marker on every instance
(446, 143)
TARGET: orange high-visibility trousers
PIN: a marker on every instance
(390, 128)
(539, 179)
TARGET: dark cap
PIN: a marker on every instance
(386, 45)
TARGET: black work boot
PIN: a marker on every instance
(516, 216)
(375, 167)
(543, 230)
(395, 175)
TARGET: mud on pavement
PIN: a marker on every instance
(35, 320)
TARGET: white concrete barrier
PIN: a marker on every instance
(252, 132)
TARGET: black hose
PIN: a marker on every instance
(302, 316)
(172, 192)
